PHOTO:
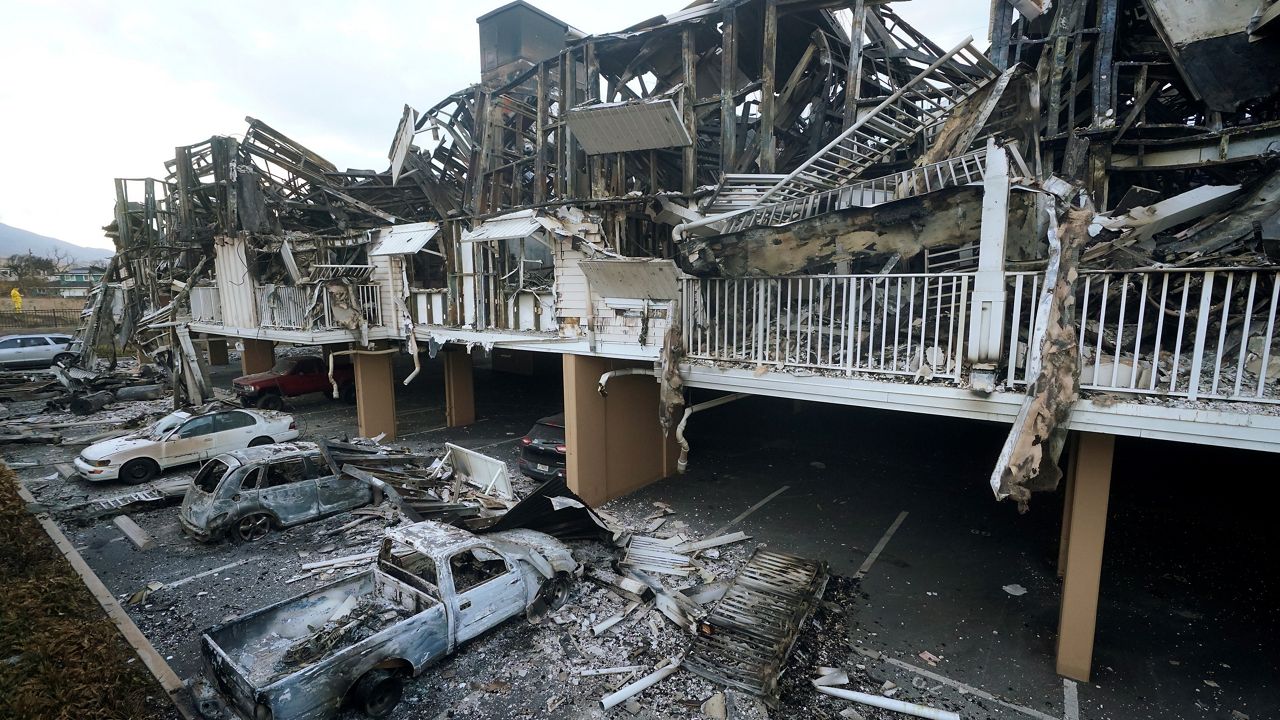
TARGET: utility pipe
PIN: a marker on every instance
(604, 379)
(678, 232)
(901, 706)
(640, 685)
(683, 463)
(334, 384)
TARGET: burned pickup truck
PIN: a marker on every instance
(350, 643)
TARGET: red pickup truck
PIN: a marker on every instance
(293, 376)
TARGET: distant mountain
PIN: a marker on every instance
(16, 241)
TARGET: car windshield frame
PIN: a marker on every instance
(165, 426)
(284, 365)
(201, 479)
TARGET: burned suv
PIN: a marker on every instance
(244, 494)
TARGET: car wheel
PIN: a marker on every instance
(347, 393)
(139, 470)
(64, 358)
(555, 591)
(252, 527)
(378, 692)
(271, 401)
(260, 441)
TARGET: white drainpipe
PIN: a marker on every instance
(332, 355)
(683, 463)
(604, 379)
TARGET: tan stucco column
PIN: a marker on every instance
(258, 356)
(217, 350)
(375, 395)
(615, 443)
(459, 387)
(1089, 489)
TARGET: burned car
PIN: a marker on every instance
(244, 494)
(350, 643)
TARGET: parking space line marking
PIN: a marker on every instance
(960, 686)
(442, 427)
(424, 432)
(884, 540)
(1070, 700)
(206, 573)
(720, 531)
(495, 444)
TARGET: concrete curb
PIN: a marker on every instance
(154, 661)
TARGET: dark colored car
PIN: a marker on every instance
(542, 451)
(294, 376)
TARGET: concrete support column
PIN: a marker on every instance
(615, 444)
(375, 395)
(258, 356)
(1088, 493)
(217, 350)
(459, 388)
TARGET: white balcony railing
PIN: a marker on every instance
(1196, 334)
(910, 325)
(206, 305)
(290, 307)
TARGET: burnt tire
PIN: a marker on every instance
(554, 592)
(251, 527)
(377, 693)
(260, 441)
(138, 471)
(270, 401)
(347, 393)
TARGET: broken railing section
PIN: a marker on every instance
(1029, 459)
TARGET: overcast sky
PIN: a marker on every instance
(95, 90)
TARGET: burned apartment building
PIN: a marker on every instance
(1074, 230)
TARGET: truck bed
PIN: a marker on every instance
(281, 639)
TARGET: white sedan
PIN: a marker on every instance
(180, 438)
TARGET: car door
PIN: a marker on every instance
(34, 352)
(191, 442)
(486, 590)
(288, 490)
(308, 376)
(234, 430)
(341, 492)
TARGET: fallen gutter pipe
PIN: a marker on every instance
(901, 706)
(683, 463)
(640, 685)
(333, 383)
(604, 379)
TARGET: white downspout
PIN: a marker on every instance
(604, 379)
(683, 463)
(333, 383)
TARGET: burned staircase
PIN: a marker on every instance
(826, 181)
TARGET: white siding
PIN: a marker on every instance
(571, 290)
(235, 287)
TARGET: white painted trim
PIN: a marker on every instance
(1238, 429)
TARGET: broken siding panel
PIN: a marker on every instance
(388, 278)
(235, 286)
(571, 289)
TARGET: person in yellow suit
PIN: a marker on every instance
(16, 297)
